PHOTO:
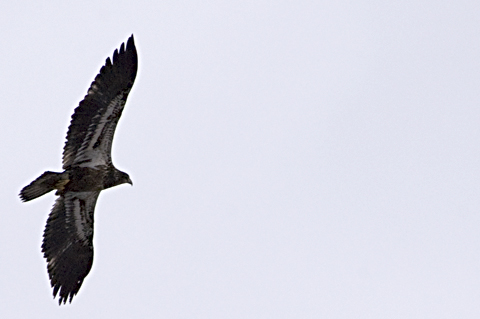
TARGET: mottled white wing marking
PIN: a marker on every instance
(96, 148)
(79, 207)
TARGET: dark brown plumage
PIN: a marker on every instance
(88, 169)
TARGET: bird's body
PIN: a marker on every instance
(88, 169)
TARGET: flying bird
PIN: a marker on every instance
(88, 169)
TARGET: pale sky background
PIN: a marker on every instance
(290, 159)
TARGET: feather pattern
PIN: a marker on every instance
(90, 135)
(68, 242)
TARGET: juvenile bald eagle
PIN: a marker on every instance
(88, 169)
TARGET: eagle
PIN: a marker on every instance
(87, 170)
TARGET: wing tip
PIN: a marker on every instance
(130, 42)
(124, 49)
(63, 298)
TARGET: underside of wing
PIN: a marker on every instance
(68, 242)
(90, 135)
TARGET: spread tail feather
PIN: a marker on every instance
(47, 182)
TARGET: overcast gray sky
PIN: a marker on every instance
(290, 159)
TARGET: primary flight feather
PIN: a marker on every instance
(88, 169)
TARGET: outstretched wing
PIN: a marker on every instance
(90, 135)
(68, 242)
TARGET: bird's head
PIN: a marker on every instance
(125, 179)
(117, 178)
